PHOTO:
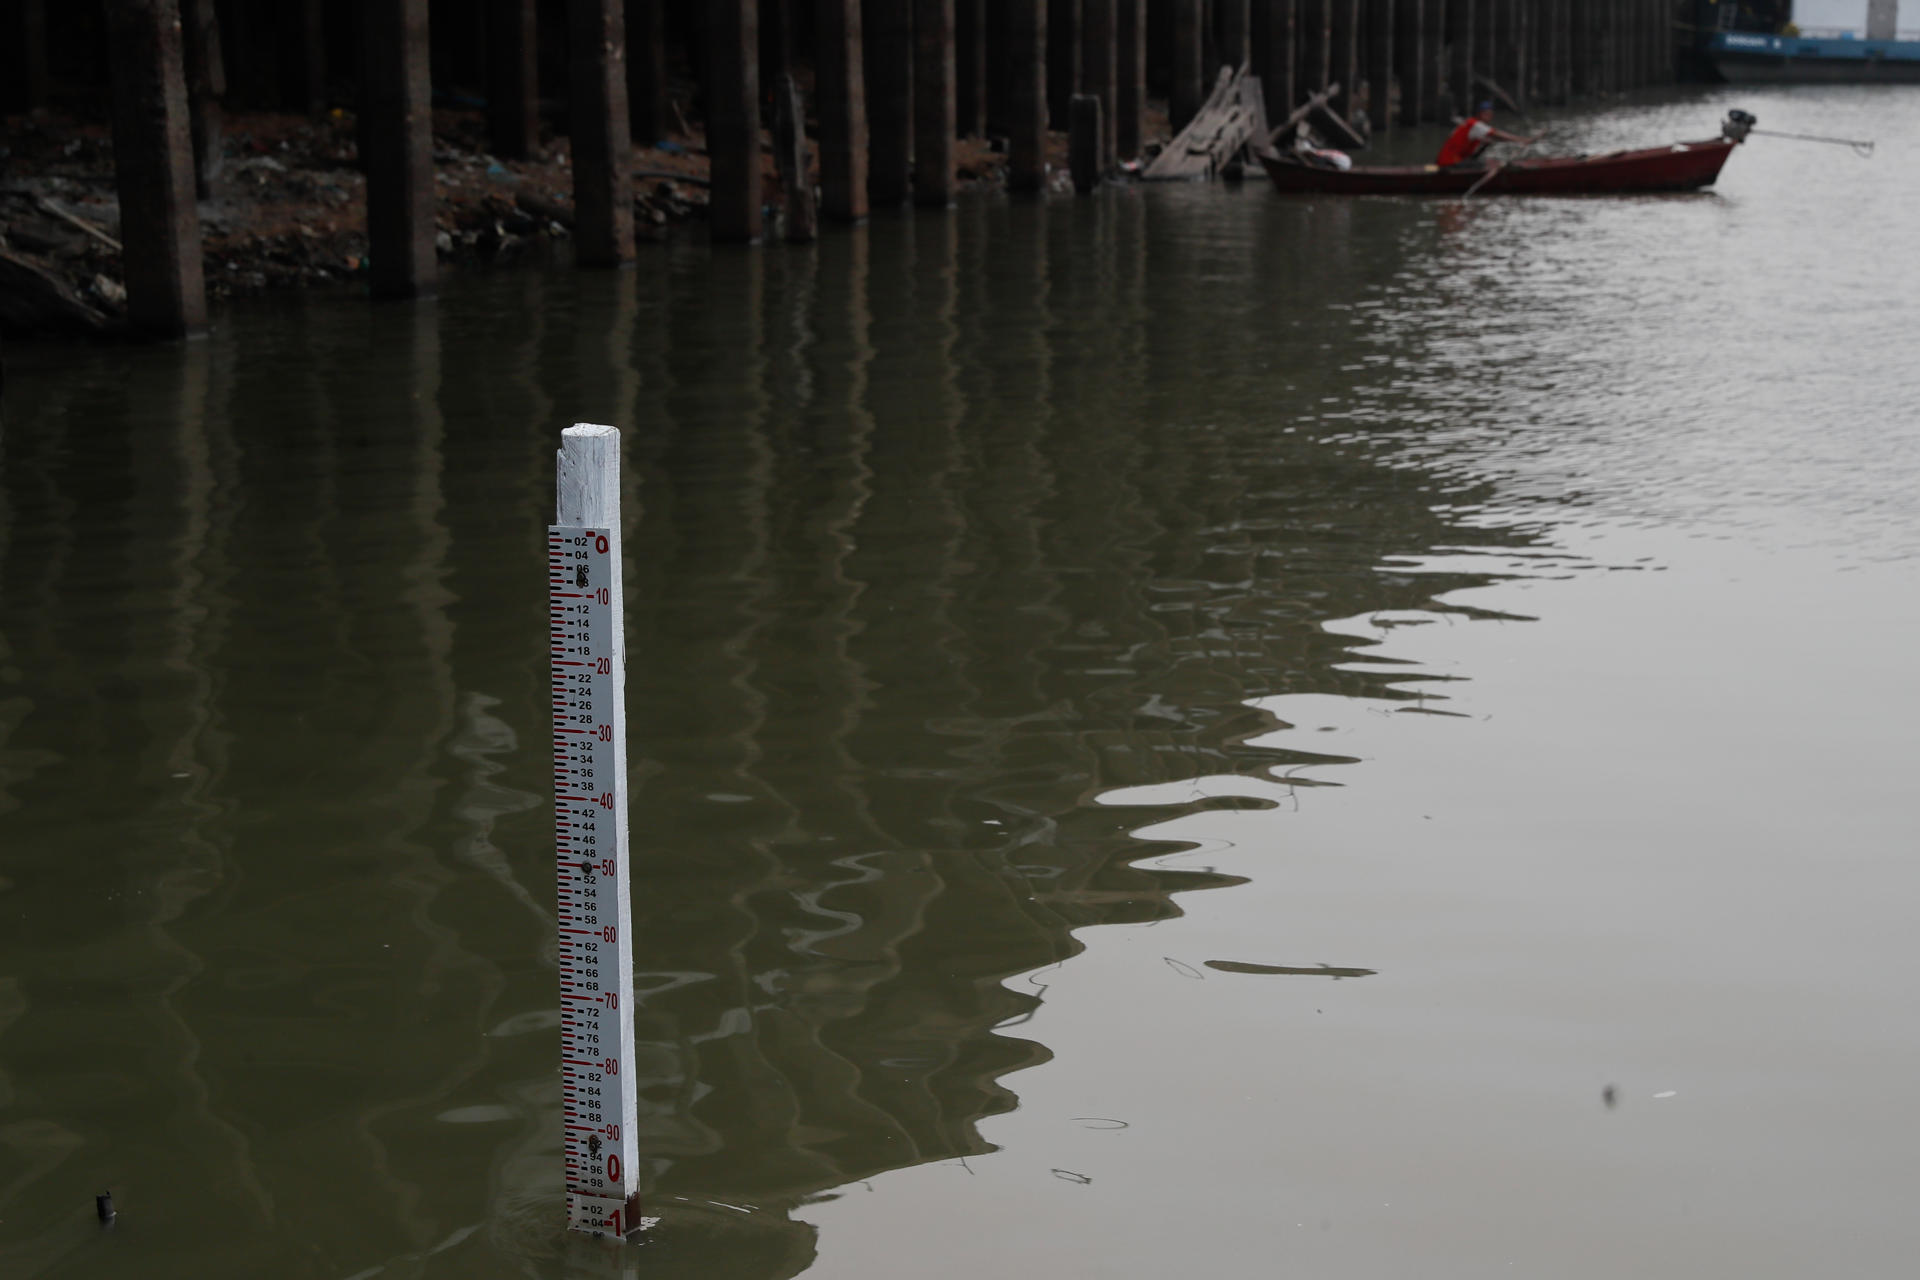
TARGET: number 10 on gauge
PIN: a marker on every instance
(586, 648)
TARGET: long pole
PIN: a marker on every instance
(587, 647)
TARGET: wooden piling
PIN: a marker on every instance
(597, 125)
(1083, 143)
(1130, 90)
(790, 154)
(1231, 20)
(206, 86)
(1314, 38)
(1063, 60)
(1380, 51)
(649, 112)
(933, 103)
(1027, 96)
(970, 67)
(840, 99)
(29, 40)
(1187, 89)
(1410, 51)
(312, 87)
(1100, 70)
(888, 58)
(399, 150)
(1343, 53)
(513, 79)
(153, 170)
(1270, 30)
(1460, 70)
(733, 119)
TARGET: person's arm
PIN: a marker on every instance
(1501, 135)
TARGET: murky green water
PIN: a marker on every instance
(1046, 623)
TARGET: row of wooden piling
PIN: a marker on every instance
(895, 82)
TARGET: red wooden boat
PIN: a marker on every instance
(1679, 166)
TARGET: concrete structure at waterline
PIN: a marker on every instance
(883, 88)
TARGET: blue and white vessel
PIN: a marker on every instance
(1828, 41)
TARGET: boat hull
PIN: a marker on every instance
(1760, 59)
(1681, 166)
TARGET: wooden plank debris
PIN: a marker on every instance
(1218, 132)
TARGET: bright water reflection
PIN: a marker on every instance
(972, 559)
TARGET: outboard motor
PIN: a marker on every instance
(1737, 125)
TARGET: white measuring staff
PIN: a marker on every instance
(587, 645)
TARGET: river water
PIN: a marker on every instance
(1046, 623)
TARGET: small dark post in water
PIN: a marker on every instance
(1343, 56)
(1315, 18)
(1437, 61)
(933, 103)
(1063, 60)
(1100, 69)
(153, 170)
(790, 153)
(1270, 33)
(1460, 44)
(840, 93)
(513, 78)
(1411, 56)
(1231, 19)
(597, 123)
(1130, 92)
(1506, 53)
(1188, 88)
(1027, 96)
(103, 1208)
(733, 119)
(970, 67)
(206, 86)
(399, 151)
(648, 115)
(1379, 64)
(889, 61)
(1083, 143)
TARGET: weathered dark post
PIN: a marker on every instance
(1410, 48)
(840, 93)
(1027, 96)
(1130, 92)
(933, 103)
(1315, 37)
(1188, 88)
(1460, 47)
(790, 154)
(313, 58)
(513, 78)
(733, 119)
(1437, 62)
(1063, 60)
(1380, 46)
(647, 109)
(1271, 34)
(776, 41)
(28, 38)
(597, 124)
(1100, 71)
(1343, 56)
(153, 169)
(1231, 20)
(1083, 143)
(970, 61)
(206, 86)
(889, 62)
(399, 150)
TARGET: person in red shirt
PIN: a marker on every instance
(1466, 143)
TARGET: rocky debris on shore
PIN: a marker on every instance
(289, 210)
